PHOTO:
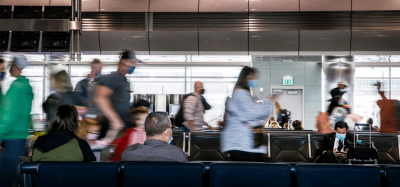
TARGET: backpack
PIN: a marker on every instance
(283, 117)
(179, 118)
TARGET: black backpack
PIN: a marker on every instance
(179, 118)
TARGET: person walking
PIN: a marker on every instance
(244, 113)
(15, 120)
(112, 97)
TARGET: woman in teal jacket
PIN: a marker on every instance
(15, 120)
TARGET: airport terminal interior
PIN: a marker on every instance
(246, 93)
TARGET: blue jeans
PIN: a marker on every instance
(10, 155)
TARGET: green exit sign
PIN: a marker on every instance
(288, 81)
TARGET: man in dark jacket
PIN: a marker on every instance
(334, 145)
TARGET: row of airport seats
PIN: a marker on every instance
(229, 174)
(289, 146)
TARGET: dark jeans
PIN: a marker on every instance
(9, 161)
(246, 156)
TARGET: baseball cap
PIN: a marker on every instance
(20, 61)
(127, 54)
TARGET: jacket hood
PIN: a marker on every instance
(53, 140)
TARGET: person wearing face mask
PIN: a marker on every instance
(112, 97)
(193, 109)
(132, 135)
(157, 147)
(340, 90)
(245, 113)
(334, 145)
(15, 120)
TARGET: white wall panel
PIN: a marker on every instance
(274, 5)
(325, 5)
(223, 6)
(367, 5)
(124, 5)
(174, 5)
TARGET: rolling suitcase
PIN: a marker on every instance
(362, 152)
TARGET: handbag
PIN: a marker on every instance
(258, 136)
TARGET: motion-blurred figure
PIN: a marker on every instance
(389, 112)
(142, 104)
(193, 109)
(112, 97)
(82, 86)
(87, 87)
(341, 90)
(336, 112)
(63, 94)
(15, 120)
(244, 114)
(132, 135)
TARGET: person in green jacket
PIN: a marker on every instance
(2, 75)
(15, 121)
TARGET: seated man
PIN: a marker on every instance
(156, 148)
(335, 145)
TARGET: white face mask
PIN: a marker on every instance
(92, 136)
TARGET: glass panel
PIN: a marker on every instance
(395, 72)
(157, 85)
(395, 93)
(159, 71)
(83, 70)
(372, 72)
(367, 95)
(33, 71)
(213, 71)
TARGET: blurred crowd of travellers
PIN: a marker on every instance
(97, 114)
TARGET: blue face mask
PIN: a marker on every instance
(131, 69)
(342, 90)
(340, 136)
(252, 83)
(169, 142)
(2, 75)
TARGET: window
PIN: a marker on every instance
(218, 83)
(366, 93)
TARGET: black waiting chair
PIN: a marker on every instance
(67, 174)
(205, 147)
(317, 175)
(289, 148)
(147, 174)
(249, 174)
(392, 176)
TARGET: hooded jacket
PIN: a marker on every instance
(15, 110)
(62, 146)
